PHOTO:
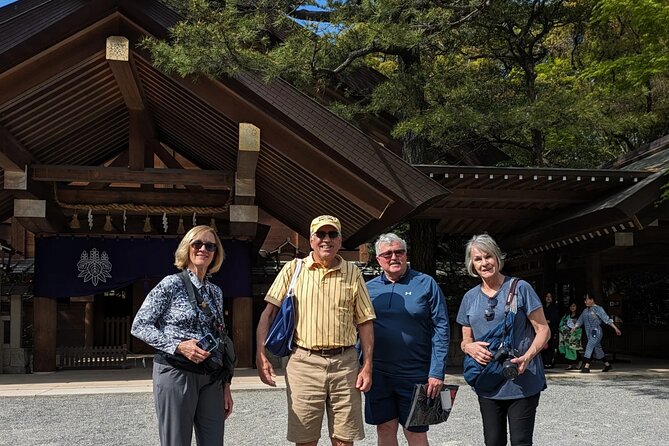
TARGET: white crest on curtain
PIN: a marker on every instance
(94, 267)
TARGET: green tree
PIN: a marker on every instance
(625, 58)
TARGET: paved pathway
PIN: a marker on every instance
(627, 406)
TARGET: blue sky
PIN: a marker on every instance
(6, 2)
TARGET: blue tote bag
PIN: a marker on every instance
(279, 339)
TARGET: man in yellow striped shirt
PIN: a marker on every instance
(332, 307)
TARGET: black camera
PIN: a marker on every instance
(504, 355)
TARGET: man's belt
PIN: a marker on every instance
(327, 351)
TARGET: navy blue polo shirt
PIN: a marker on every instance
(411, 332)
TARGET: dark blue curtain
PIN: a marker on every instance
(80, 266)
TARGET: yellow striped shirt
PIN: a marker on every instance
(329, 302)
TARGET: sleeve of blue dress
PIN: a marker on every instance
(441, 333)
(605, 318)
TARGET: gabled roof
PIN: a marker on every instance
(505, 200)
(536, 210)
(61, 105)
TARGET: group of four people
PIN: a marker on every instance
(399, 319)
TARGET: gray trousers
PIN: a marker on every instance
(184, 401)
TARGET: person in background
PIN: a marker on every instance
(187, 394)
(482, 309)
(411, 338)
(552, 314)
(332, 306)
(592, 318)
(570, 341)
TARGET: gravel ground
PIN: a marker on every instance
(578, 410)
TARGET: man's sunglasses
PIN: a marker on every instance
(389, 254)
(321, 234)
(490, 311)
(197, 244)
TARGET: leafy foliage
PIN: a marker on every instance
(547, 82)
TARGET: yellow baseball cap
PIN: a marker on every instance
(324, 220)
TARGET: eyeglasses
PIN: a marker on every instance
(321, 234)
(490, 311)
(389, 254)
(198, 244)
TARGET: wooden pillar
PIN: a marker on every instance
(44, 334)
(549, 277)
(593, 276)
(242, 330)
(138, 295)
(15, 321)
(89, 325)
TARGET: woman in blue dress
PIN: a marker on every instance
(592, 318)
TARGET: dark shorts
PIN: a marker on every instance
(390, 398)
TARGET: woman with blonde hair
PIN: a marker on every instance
(191, 387)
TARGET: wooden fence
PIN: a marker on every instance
(92, 357)
(117, 330)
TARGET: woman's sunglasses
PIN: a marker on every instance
(197, 244)
(490, 311)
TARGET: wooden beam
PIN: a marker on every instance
(528, 173)
(243, 220)
(247, 160)
(490, 214)
(38, 216)
(120, 161)
(176, 177)
(13, 155)
(245, 191)
(139, 123)
(156, 197)
(169, 161)
(118, 58)
(29, 208)
(249, 149)
(136, 140)
(518, 196)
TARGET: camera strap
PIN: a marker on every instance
(507, 305)
(198, 302)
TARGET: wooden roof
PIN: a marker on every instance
(536, 210)
(76, 120)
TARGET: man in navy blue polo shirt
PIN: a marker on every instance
(411, 337)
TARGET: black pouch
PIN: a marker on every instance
(180, 362)
(222, 361)
(224, 358)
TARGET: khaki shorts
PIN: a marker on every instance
(316, 383)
